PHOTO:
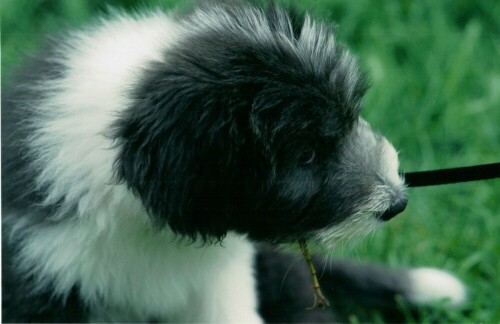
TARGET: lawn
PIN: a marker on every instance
(434, 67)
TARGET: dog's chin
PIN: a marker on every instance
(349, 231)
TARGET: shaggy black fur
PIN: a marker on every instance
(230, 134)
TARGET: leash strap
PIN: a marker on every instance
(454, 175)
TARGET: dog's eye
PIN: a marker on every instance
(307, 156)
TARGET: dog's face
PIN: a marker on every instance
(252, 124)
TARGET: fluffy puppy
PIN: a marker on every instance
(228, 125)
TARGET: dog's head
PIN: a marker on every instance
(251, 123)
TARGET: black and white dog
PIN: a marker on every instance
(149, 160)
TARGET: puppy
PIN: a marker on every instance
(143, 157)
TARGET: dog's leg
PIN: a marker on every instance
(285, 286)
(375, 285)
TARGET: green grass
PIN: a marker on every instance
(435, 73)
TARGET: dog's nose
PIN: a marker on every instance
(397, 207)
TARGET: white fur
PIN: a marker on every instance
(70, 144)
(133, 273)
(125, 270)
(429, 285)
(391, 163)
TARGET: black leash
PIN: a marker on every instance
(454, 175)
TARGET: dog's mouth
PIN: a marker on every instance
(362, 223)
(350, 230)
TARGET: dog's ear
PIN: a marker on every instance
(179, 151)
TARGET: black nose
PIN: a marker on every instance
(397, 207)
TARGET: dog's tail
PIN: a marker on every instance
(284, 279)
